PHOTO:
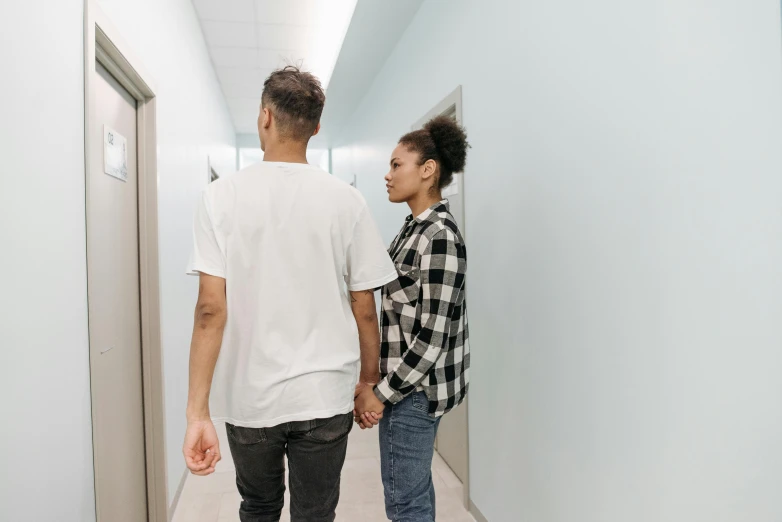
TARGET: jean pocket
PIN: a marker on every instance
(420, 402)
(330, 430)
(246, 436)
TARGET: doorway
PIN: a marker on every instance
(122, 280)
(452, 441)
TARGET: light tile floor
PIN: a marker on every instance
(215, 499)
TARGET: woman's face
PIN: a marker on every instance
(406, 178)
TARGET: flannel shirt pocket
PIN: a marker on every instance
(405, 291)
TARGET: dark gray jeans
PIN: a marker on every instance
(316, 453)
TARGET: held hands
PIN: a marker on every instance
(368, 409)
(201, 448)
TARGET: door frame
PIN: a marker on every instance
(103, 43)
(453, 102)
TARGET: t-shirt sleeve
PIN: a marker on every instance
(368, 264)
(206, 257)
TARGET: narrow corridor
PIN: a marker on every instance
(620, 214)
(215, 499)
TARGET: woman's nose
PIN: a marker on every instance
(388, 176)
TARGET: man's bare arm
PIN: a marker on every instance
(210, 317)
(202, 447)
(363, 305)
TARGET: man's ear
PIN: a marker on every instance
(267, 118)
(317, 130)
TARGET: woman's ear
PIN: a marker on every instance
(429, 169)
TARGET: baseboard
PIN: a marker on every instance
(175, 500)
(477, 512)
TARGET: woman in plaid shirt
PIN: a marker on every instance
(424, 353)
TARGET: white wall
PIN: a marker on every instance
(46, 432)
(624, 229)
(193, 122)
(249, 152)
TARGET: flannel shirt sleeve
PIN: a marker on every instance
(439, 270)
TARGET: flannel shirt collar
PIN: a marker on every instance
(431, 213)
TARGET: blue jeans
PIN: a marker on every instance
(407, 435)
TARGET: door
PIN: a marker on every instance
(452, 436)
(451, 442)
(114, 306)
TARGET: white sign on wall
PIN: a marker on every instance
(452, 189)
(115, 154)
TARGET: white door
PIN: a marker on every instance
(451, 440)
(452, 437)
(114, 306)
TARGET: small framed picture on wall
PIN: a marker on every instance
(213, 175)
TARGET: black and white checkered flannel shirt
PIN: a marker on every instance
(424, 318)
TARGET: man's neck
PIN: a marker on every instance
(288, 152)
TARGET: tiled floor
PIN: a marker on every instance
(215, 499)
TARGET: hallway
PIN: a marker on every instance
(620, 207)
(215, 499)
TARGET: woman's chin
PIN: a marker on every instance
(396, 198)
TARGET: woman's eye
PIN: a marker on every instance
(396, 165)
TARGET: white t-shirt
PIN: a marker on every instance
(290, 241)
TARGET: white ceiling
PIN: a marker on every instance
(248, 39)
(374, 33)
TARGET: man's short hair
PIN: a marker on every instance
(297, 100)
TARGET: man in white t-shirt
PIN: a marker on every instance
(288, 259)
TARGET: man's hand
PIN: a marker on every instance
(368, 410)
(361, 386)
(202, 448)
